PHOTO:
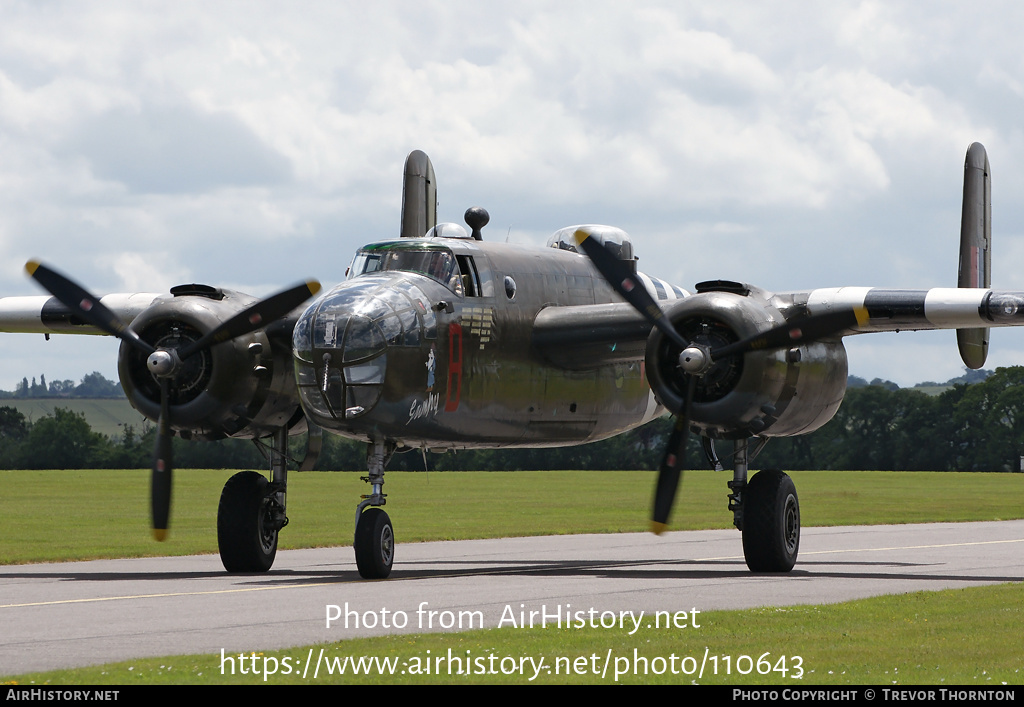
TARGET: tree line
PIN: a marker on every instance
(968, 427)
(93, 385)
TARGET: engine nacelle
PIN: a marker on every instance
(243, 387)
(771, 393)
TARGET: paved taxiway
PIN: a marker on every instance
(81, 613)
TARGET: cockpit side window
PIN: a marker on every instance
(364, 263)
(470, 278)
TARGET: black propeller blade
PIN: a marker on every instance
(164, 363)
(697, 359)
(796, 331)
(84, 304)
(255, 317)
(160, 479)
(671, 470)
(628, 285)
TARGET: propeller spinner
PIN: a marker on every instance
(695, 359)
(164, 363)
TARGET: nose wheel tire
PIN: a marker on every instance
(771, 522)
(245, 533)
(374, 544)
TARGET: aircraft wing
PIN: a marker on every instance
(902, 310)
(42, 314)
(591, 335)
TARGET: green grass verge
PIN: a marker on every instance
(954, 637)
(74, 515)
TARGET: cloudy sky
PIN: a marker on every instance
(253, 144)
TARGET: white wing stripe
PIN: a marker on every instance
(952, 307)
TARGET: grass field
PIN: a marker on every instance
(969, 636)
(68, 515)
(104, 415)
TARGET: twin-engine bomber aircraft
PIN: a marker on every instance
(444, 340)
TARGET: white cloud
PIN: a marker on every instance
(252, 143)
(139, 273)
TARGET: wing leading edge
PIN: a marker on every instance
(937, 308)
(590, 336)
(46, 315)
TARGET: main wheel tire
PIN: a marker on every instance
(245, 534)
(374, 544)
(771, 522)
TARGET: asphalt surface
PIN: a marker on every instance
(84, 613)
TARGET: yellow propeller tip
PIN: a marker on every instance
(313, 286)
(580, 235)
(31, 267)
(658, 528)
(160, 534)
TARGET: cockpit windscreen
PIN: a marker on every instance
(436, 263)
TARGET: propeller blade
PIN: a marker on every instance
(628, 285)
(160, 481)
(797, 331)
(84, 304)
(89, 308)
(671, 472)
(258, 315)
(668, 478)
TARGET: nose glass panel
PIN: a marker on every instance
(340, 343)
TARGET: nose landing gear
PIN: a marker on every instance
(374, 544)
(374, 539)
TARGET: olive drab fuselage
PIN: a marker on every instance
(428, 343)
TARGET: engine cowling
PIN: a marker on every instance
(771, 393)
(243, 387)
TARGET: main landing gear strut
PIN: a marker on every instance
(252, 509)
(252, 512)
(766, 511)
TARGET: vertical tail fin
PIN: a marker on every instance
(419, 196)
(975, 247)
